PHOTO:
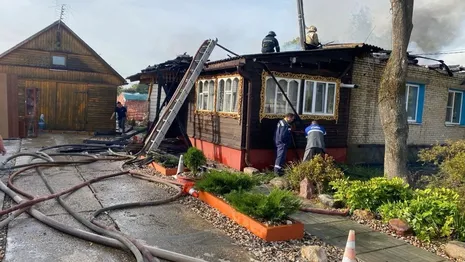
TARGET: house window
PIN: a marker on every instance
(275, 102)
(227, 95)
(59, 60)
(319, 98)
(454, 107)
(205, 94)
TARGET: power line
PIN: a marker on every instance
(443, 53)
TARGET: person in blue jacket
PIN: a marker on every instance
(315, 141)
(282, 140)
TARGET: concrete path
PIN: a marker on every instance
(370, 246)
(171, 226)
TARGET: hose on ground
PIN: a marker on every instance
(92, 237)
(131, 246)
(83, 234)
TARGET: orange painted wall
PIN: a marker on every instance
(259, 158)
(222, 154)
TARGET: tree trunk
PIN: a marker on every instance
(391, 94)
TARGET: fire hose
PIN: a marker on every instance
(110, 237)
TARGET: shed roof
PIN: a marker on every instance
(63, 25)
(135, 96)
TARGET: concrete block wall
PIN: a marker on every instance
(364, 123)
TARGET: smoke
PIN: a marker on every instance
(438, 25)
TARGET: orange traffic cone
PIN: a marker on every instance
(349, 252)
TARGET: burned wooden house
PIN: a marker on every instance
(234, 110)
(55, 73)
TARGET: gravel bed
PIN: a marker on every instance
(436, 247)
(259, 249)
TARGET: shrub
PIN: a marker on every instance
(166, 160)
(275, 207)
(370, 194)
(431, 212)
(320, 171)
(223, 182)
(450, 159)
(459, 226)
(361, 172)
(194, 159)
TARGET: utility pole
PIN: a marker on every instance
(300, 16)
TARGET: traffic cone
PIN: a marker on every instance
(349, 252)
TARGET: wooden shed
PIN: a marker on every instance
(236, 104)
(63, 78)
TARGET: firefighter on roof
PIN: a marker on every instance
(270, 43)
(311, 40)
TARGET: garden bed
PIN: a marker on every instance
(165, 164)
(267, 233)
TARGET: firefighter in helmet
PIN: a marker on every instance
(311, 40)
(270, 43)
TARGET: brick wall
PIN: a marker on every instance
(136, 109)
(365, 129)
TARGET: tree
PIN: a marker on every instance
(391, 94)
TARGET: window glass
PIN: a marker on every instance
(331, 96)
(320, 97)
(220, 95)
(59, 60)
(308, 99)
(270, 96)
(234, 94)
(456, 108)
(412, 99)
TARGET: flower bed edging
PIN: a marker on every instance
(267, 233)
(163, 170)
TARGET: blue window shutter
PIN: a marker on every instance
(421, 102)
(462, 113)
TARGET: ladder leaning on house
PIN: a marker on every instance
(157, 134)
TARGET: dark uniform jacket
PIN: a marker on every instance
(269, 44)
(283, 133)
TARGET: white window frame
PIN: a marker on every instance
(325, 106)
(61, 57)
(231, 92)
(407, 92)
(205, 94)
(288, 80)
(452, 107)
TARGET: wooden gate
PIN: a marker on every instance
(71, 106)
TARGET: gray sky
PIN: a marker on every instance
(132, 34)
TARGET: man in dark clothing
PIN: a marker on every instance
(121, 111)
(282, 139)
(269, 43)
(315, 141)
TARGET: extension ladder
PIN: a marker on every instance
(157, 134)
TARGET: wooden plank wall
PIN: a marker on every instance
(101, 104)
(213, 128)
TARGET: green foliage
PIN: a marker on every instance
(194, 159)
(450, 159)
(370, 194)
(265, 178)
(275, 207)
(431, 212)
(361, 172)
(459, 226)
(166, 160)
(320, 171)
(223, 182)
(438, 154)
(135, 88)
